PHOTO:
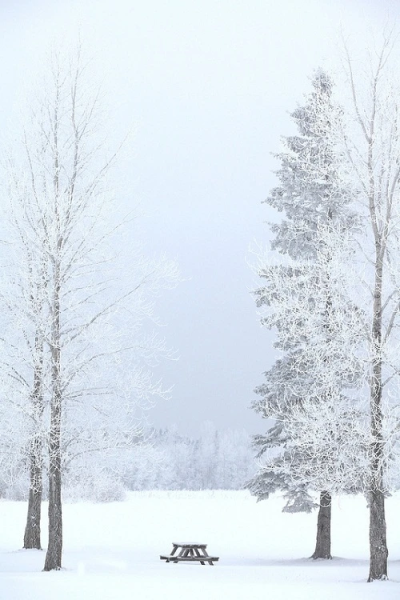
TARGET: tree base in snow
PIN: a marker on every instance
(382, 578)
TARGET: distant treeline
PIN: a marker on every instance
(161, 459)
(170, 461)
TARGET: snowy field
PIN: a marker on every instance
(111, 551)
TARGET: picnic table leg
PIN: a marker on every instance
(210, 562)
(198, 554)
(184, 552)
(179, 555)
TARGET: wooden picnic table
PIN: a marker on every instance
(190, 552)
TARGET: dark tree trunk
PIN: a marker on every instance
(32, 529)
(323, 544)
(323, 541)
(377, 537)
(377, 523)
(54, 550)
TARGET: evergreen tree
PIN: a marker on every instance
(306, 305)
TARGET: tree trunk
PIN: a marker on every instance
(32, 529)
(323, 544)
(377, 523)
(377, 537)
(54, 550)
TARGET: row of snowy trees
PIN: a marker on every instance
(331, 292)
(75, 295)
(216, 460)
(156, 460)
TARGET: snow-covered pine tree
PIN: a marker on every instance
(304, 302)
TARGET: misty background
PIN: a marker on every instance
(206, 87)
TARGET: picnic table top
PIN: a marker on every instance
(189, 545)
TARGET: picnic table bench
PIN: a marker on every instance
(189, 552)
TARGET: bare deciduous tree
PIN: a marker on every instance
(81, 311)
(372, 141)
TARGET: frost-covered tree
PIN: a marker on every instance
(372, 141)
(85, 315)
(23, 298)
(170, 461)
(304, 301)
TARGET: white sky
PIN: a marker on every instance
(207, 85)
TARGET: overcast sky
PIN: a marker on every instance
(208, 85)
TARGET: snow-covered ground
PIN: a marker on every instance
(111, 551)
